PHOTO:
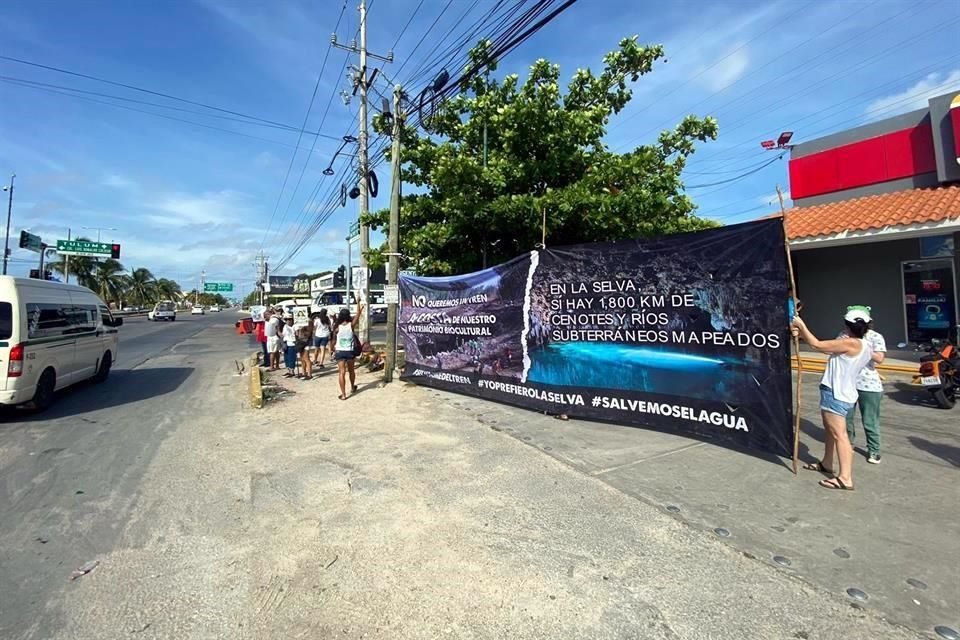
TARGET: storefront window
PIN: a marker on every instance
(929, 300)
(936, 247)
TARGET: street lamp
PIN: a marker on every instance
(6, 241)
(99, 229)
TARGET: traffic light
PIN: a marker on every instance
(24, 239)
(115, 251)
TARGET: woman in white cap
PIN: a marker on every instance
(838, 393)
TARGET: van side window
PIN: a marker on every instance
(45, 320)
(105, 316)
(6, 320)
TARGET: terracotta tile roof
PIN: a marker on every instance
(913, 206)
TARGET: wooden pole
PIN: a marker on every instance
(796, 339)
(543, 229)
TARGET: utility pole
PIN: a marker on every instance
(362, 84)
(393, 236)
(66, 263)
(6, 242)
(261, 265)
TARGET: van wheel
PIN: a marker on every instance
(43, 397)
(105, 363)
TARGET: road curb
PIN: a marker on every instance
(256, 384)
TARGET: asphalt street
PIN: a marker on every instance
(70, 476)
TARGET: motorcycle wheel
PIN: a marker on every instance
(944, 400)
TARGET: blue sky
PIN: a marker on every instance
(186, 198)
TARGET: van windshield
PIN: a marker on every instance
(6, 320)
(166, 306)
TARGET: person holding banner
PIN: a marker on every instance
(346, 348)
(838, 393)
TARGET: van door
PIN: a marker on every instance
(85, 325)
(6, 337)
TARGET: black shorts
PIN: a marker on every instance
(345, 356)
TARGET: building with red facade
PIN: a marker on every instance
(876, 221)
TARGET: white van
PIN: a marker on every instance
(52, 335)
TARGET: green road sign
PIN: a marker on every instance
(354, 229)
(30, 242)
(218, 287)
(85, 248)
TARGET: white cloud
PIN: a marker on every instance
(917, 96)
(731, 68)
(118, 181)
(212, 207)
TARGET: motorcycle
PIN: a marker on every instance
(940, 373)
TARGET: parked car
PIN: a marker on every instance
(164, 310)
(52, 335)
(214, 308)
(197, 310)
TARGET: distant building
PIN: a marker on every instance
(876, 221)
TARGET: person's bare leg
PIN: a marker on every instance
(342, 378)
(838, 425)
(829, 445)
(323, 355)
(307, 365)
(353, 375)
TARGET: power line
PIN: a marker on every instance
(140, 89)
(143, 111)
(737, 178)
(406, 26)
(306, 118)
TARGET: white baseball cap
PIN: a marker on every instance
(858, 312)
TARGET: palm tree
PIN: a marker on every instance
(108, 280)
(168, 289)
(141, 285)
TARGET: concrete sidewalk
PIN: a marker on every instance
(440, 515)
(896, 538)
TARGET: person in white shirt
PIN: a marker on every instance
(289, 336)
(321, 337)
(344, 351)
(870, 392)
(838, 393)
(271, 329)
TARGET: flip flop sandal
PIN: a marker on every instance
(818, 467)
(838, 486)
(342, 397)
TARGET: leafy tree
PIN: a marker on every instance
(545, 153)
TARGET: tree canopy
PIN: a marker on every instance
(545, 153)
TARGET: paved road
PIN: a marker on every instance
(70, 477)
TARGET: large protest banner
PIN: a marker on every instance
(687, 333)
